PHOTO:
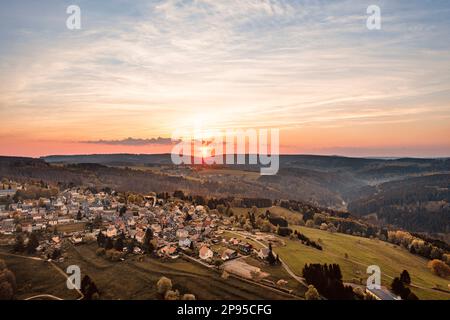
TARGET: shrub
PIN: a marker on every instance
(7, 282)
(440, 268)
(283, 231)
(359, 293)
(113, 255)
(100, 252)
(172, 295)
(312, 293)
(412, 296)
(163, 285)
(6, 291)
(405, 277)
(310, 224)
(2, 265)
(7, 276)
(323, 226)
(188, 296)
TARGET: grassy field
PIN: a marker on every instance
(71, 227)
(361, 253)
(36, 278)
(135, 279)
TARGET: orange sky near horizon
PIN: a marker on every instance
(384, 140)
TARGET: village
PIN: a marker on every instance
(166, 229)
(231, 238)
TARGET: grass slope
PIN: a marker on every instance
(37, 277)
(363, 252)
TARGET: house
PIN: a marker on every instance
(37, 216)
(131, 222)
(199, 209)
(184, 242)
(111, 231)
(156, 228)
(121, 226)
(381, 294)
(7, 225)
(140, 235)
(205, 253)
(53, 222)
(38, 226)
(181, 233)
(263, 253)
(229, 254)
(65, 219)
(245, 247)
(56, 239)
(27, 227)
(76, 239)
(168, 250)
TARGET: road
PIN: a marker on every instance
(198, 261)
(52, 297)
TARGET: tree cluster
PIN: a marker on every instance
(8, 285)
(400, 286)
(307, 241)
(89, 289)
(328, 281)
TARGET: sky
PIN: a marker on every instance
(137, 71)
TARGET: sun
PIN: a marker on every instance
(205, 151)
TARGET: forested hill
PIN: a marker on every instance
(409, 193)
(417, 204)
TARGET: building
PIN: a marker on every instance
(381, 294)
(184, 242)
(111, 231)
(140, 236)
(205, 253)
(181, 233)
(229, 254)
(263, 253)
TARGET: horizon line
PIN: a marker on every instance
(281, 154)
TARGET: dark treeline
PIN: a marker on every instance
(307, 241)
(327, 279)
(435, 242)
(309, 209)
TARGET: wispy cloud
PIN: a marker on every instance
(133, 142)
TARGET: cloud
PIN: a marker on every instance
(133, 141)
